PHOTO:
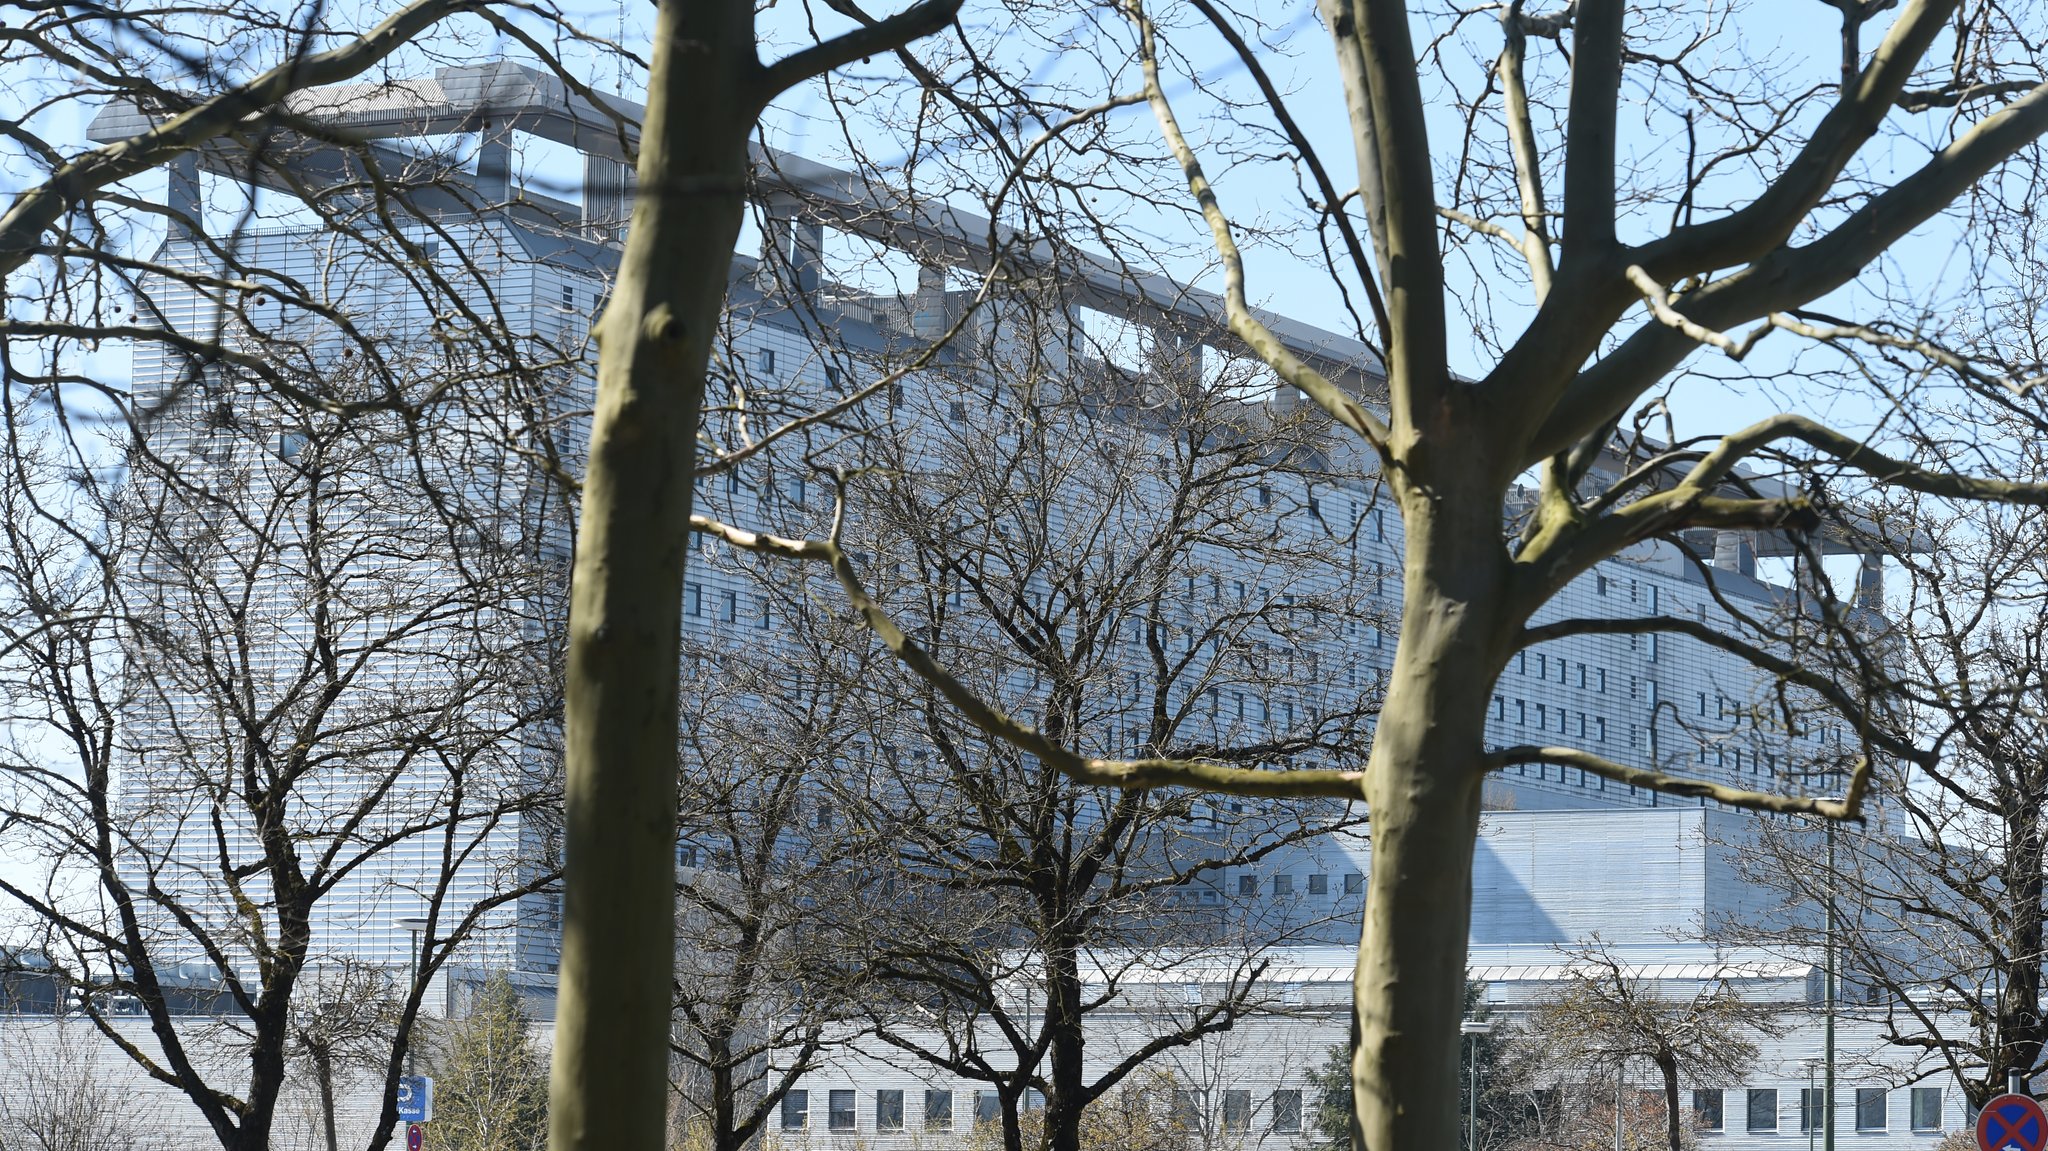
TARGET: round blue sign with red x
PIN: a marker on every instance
(2012, 1122)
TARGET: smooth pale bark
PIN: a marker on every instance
(1423, 789)
(610, 1075)
(706, 87)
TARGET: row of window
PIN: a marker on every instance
(727, 606)
(1283, 885)
(842, 1109)
(1538, 665)
(1590, 726)
(1872, 1109)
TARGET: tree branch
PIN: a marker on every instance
(1534, 243)
(1849, 807)
(1764, 223)
(1243, 324)
(1589, 147)
(885, 35)
(993, 721)
(1757, 657)
(1788, 277)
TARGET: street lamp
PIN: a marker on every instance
(1473, 1028)
(414, 925)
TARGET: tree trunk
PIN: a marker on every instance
(323, 1071)
(2019, 1007)
(1668, 1065)
(1063, 1105)
(1422, 789)
(609, 1086)
(1013, 1129)
(724, 1133)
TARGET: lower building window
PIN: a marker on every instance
(1287, 1111)
(889, 1110)
(1237, 1110)
(1870, 1108)
(938, 1110)
(796, 1110)
(1926, 1108)
(1812, 1103)
(1706, 1109)
(839, 1116)
(1763, 1109)
(988, 1107)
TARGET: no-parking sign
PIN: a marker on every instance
(2012, 1123)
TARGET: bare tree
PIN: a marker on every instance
(1933, 916)
(1097, 547)
(1606, 1017)
(342, 1023)
(768, 970)
(254, 713)
(59, 1097)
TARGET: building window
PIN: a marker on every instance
(988, 1107)
(1763, 1108)
(1247, 885)
(1926, 1108)
(1706, 1109)
(1283, 885)
(796, 1110)
(1265, 496)
(839, 1116)
(1870, 1108)
(889, 1110)
(768, 360)
(764, 613)
(1812, 1107)
(1354, 883)
(693, 598)
(732, 607)
(1318, 885)
(1287, 1111)
(956, 411)
(938, 1110)
(1237, 1110)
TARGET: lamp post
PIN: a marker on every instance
(413, 925)
(1827, 1130)
(1472, 1029)
(1828, 975)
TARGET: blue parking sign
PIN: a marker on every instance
(415, 1098)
